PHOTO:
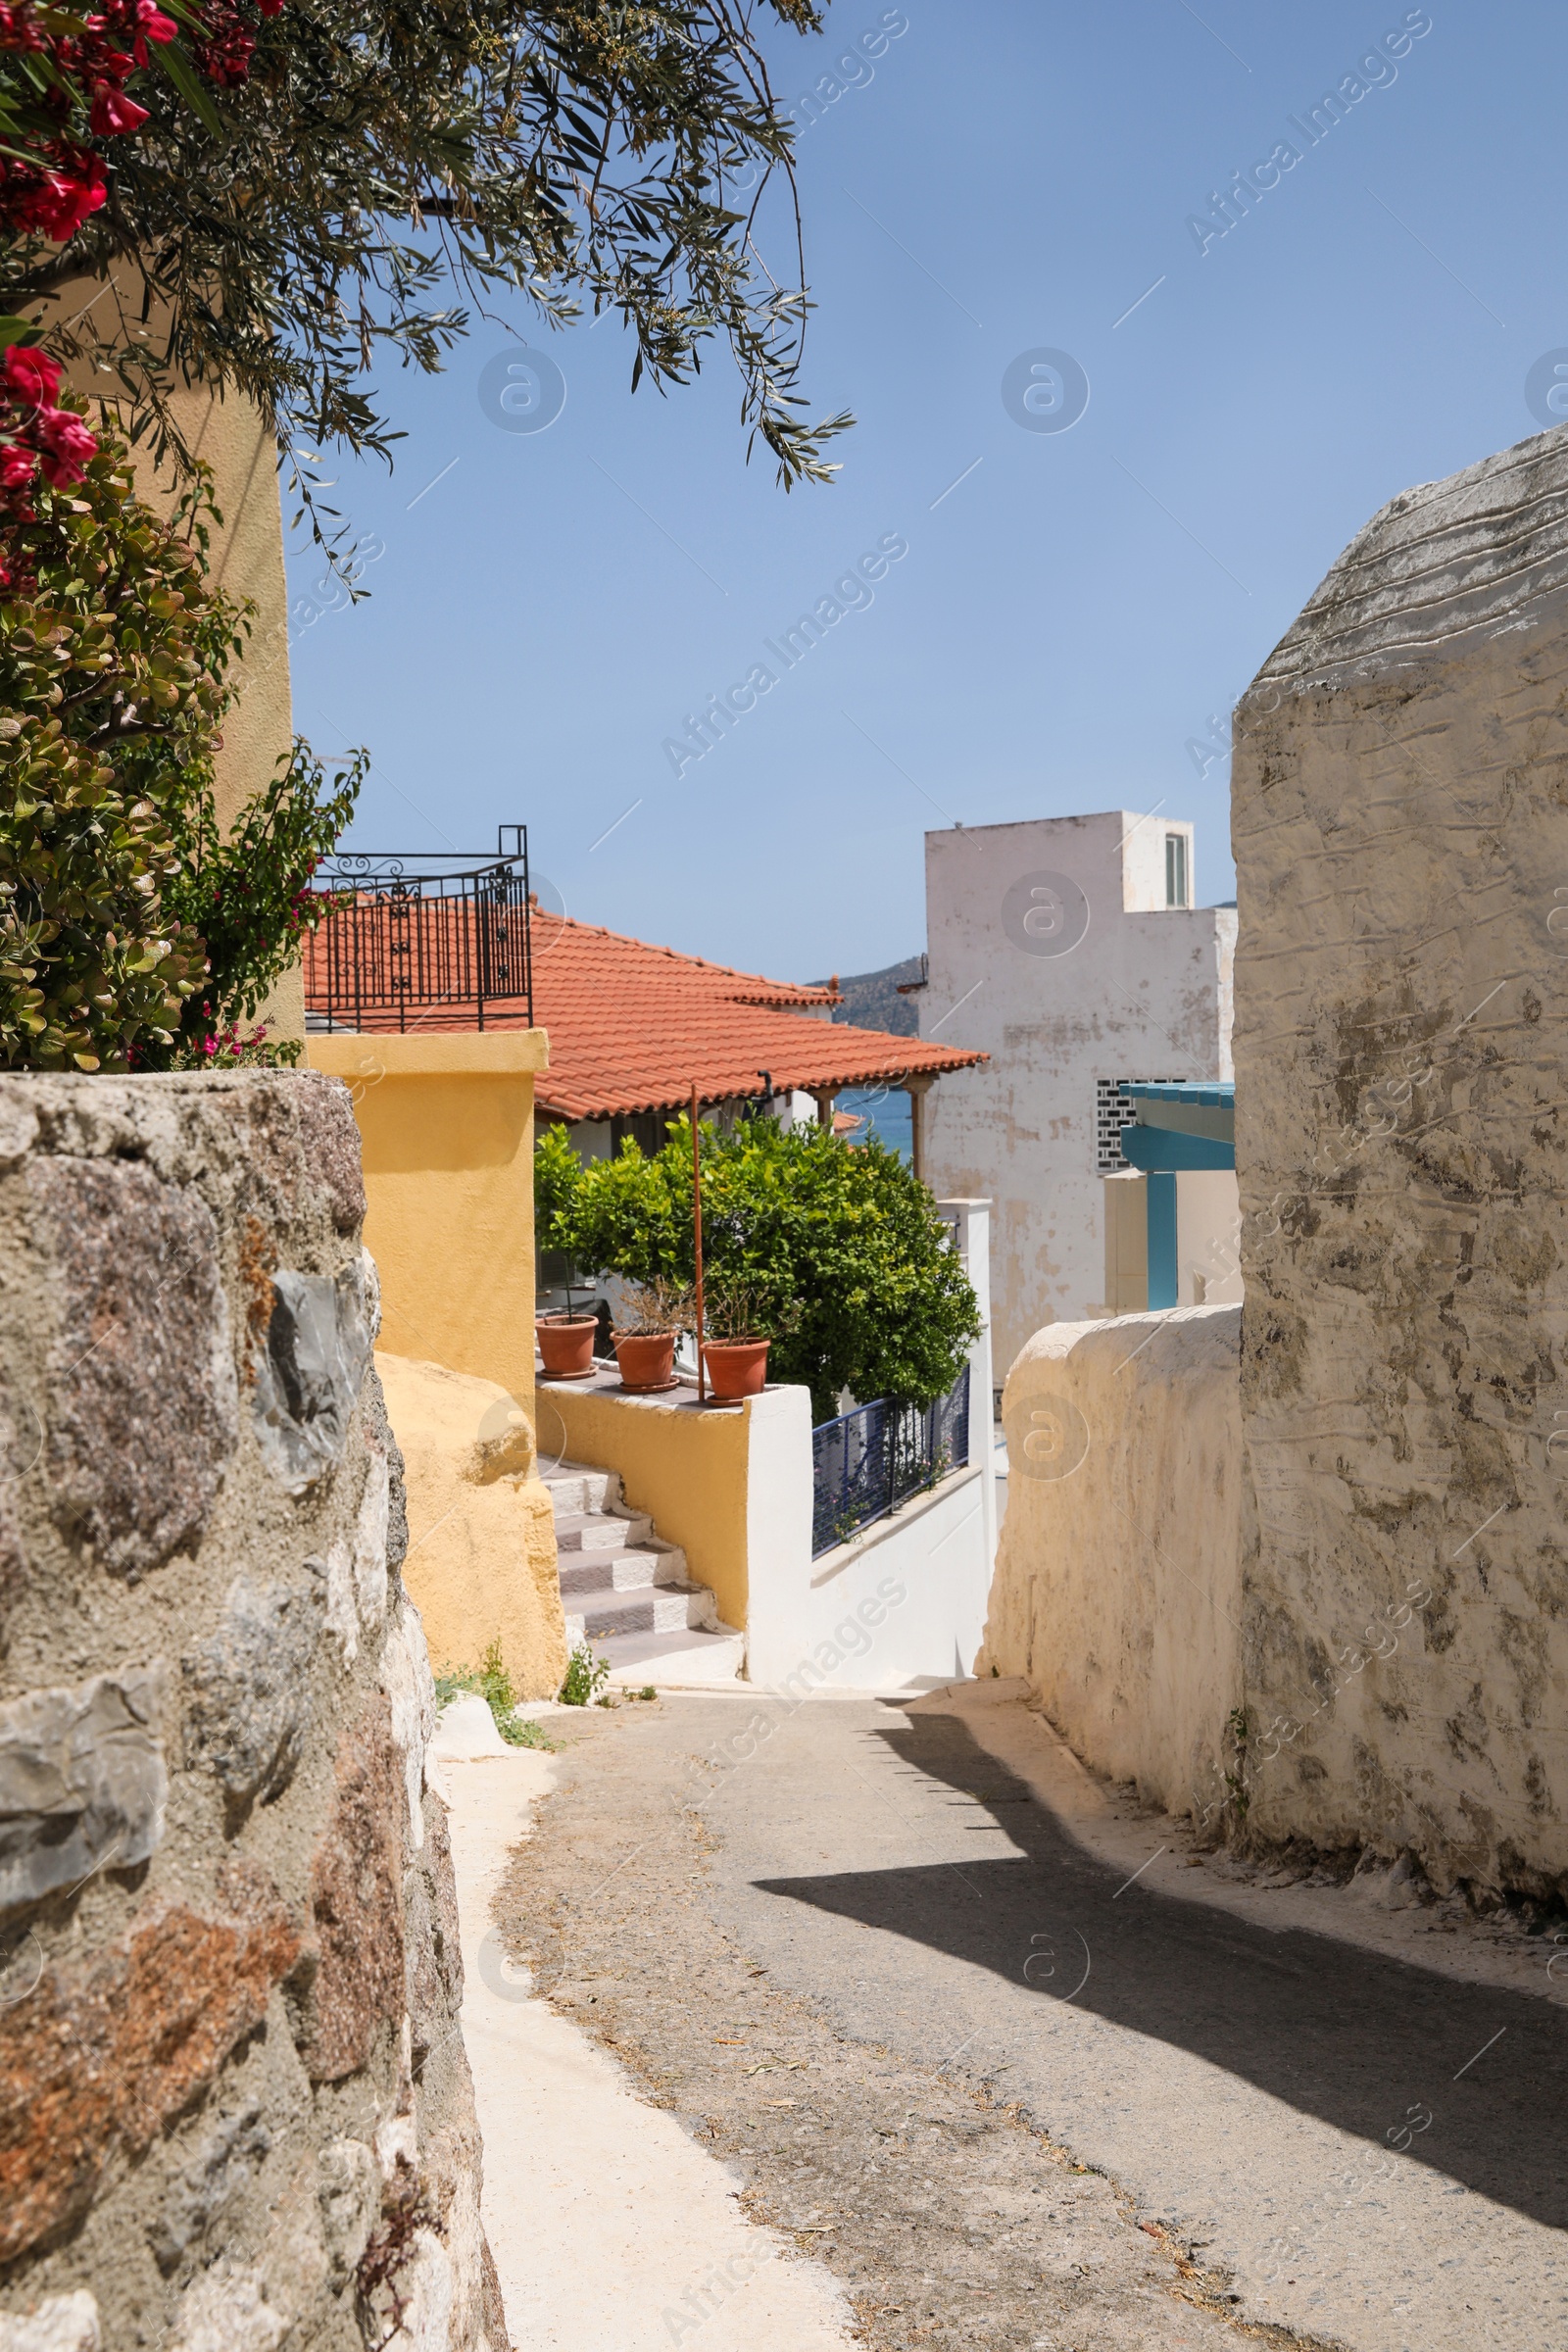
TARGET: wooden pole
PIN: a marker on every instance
(696, 1231)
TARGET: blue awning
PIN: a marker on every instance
(1161, 1148)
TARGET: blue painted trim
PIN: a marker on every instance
(1161, 1211)
(1163, 1147)
(1214, 1094)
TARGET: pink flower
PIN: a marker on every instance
(271, 8)
(152, 24)
(31, 374)
(69, 446)
(113, 112)
(17, 465)
(60, 203)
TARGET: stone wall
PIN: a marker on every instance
(236, 2109)
(1401, 791)
(1117, 1586)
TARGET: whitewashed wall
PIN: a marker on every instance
(1120, 987)
(1400, 789)
(1117, 1591)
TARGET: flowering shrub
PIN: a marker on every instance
(63, 84)
(38, 438)
(132, 935)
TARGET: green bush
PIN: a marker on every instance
(586, 1677)
(132, 933)
(839, 1252)
(491, 1682)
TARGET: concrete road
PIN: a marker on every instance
(610, 2232)
(1357, 2114)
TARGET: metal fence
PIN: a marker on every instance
(408, 933)
(866, 1464)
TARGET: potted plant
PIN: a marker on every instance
(736, 1357)
(567, 1343)
(653, 1314)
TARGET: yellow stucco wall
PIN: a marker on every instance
(245, 560)
(481, 1557)
(446, 1125)
(688, 1469)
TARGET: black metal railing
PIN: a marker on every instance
(866, 1464)
(408, 933)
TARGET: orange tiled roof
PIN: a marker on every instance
(631, 1026)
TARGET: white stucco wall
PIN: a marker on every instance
(1117, 1586)
(904, 1601)
(1098, 980)
(1401, 816)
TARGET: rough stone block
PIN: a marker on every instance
(104, 2053)
(61, 2324)
(250, 1685)
(435, 1987)
(307, 1375)
(332, 1144)
(17, 1458)
(369, 1542)
(357, 1983)
(411, 2305)
(227, 2310)
(222, 2166)
(142, 1402)
(378, 1430)
(82, 1783)
(342, 1619)
(350, 2196)
(410, 1687)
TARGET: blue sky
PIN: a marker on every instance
(1075, 606)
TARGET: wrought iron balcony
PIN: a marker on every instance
(423, 942)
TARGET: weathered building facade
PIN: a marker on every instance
(1400, 816)
(1068, 949)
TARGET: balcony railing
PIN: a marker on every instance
(866, 1464)
(411, 934)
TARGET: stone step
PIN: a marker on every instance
(675, 1662)
(649, 1609)
(576, 1489)
(616, 1571)
(601, 1531)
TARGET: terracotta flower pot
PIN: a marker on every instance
(736, 1367)
(646, 1359)
(566, 1348)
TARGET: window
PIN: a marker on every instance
(1176, 881)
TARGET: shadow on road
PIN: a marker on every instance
(1365, 2043)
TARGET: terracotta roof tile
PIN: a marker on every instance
(631, 1026)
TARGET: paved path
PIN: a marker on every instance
(612, 2232)
(1329, 2118)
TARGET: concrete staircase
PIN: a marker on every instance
(625, 1591)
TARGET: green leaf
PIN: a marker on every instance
(177, 65)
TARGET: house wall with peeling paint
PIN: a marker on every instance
(234, 2104)
(1052, 949)
(1400, 819)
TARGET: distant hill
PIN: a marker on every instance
(871, 999)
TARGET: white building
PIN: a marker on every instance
(1068, 949)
